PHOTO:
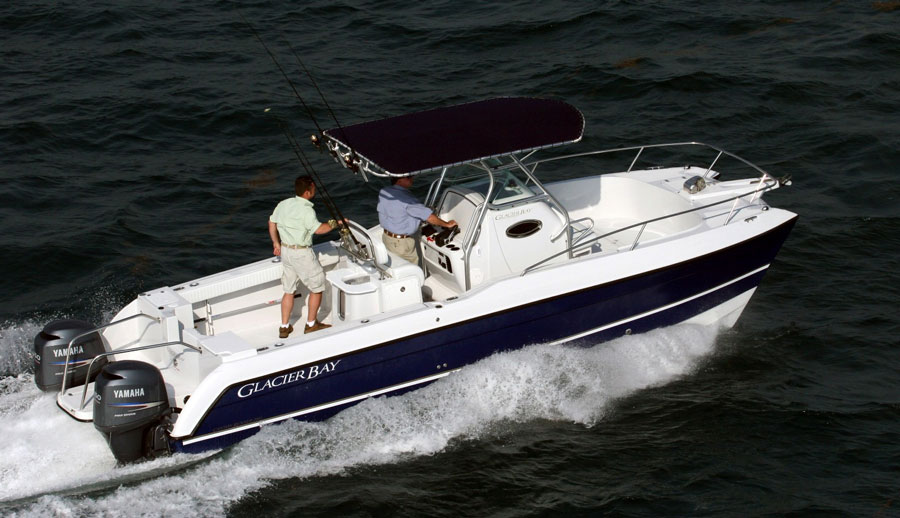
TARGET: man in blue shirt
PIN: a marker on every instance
(400, 215)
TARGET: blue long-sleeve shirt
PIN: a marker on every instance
(399, 211)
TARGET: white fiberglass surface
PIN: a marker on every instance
(613, 202)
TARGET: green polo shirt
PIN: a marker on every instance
(296, 220)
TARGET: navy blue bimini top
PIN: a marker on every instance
(424, 141)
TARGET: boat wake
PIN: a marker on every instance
(50, 464)
(15, 347)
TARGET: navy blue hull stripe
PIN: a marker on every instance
(340, 403)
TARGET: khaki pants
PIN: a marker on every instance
(404, 247)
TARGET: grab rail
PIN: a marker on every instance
(86, 333)
(567, 224)
(583, 231)
(769, 185)
(369, 248)
(640, 150)
(122, 351)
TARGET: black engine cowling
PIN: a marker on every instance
(50, 354)
(130, 408)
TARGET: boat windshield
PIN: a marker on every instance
(509, 186)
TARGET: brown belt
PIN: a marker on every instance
(295, 247)
(398, 236)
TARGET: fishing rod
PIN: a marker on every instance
(314, 138)
(306, 164)
(351, 244)
(334, 211)
(330, 205)
(294, 143)
(284, 74)
(349, 241)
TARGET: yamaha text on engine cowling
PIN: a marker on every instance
(50, 346)
(131, 409)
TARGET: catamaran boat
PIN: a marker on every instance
(603, 246)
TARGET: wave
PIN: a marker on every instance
(15, 350)
(50, 464)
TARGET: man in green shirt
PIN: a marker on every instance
(291, 227)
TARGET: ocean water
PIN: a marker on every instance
(135, 152)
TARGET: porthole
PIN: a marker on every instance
(523, 228)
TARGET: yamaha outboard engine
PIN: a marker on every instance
(50, 354)
(130, 409)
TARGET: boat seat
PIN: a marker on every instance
(379, 251)
(396, 266)
(359, 291)
(372, 241)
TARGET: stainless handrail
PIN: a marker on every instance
(769, 185)
(713, 164)
(584, 232)
(641, 149)
(638, 155)
(370, 249)
(475, 226)
(209, 320)
(567, 225)
(86, 333)
(434, 187)
(637, 238)
(123, 351)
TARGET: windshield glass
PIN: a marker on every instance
(509, 186)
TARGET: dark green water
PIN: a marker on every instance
(135, 153)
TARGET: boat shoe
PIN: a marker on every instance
(315, 327)
(283, 332)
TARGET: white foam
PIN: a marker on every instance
(16, 342)
(49, 450)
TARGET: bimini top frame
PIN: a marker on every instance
(432, 140)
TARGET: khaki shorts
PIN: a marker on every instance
(301, 265)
